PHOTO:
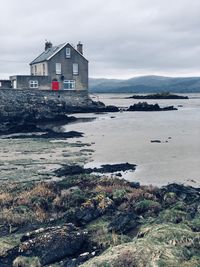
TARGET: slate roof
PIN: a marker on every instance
(48, 53)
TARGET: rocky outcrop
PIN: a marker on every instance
(105, 168)
(144, 106)
(159, 96)
(21, 108)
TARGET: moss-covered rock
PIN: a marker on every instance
(27, 262)
(156, 245)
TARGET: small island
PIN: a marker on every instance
(164, 95)
(144, 106)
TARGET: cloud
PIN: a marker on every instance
(121, 38)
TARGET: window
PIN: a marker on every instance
(0, 84)
(75, 69)
(33, 84)
(58, 68)
(43, 69)
(35, 70)
(68, 52)
(69, 84)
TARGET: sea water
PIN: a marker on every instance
(126, 137)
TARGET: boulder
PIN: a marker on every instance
(124, 222)
(52, 244)
(92, 209)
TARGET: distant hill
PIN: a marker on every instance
(145, 84)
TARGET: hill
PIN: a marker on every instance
(145, 84)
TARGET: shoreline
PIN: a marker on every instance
(56, 212)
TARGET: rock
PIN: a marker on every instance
(134, 184)
(159, 96)
(52, 244)
(185, 193)
(111, 168)
(69, 170)
(48, 135)
(155, 245)
(26, 262)
(24, 109)
(92, 209)
(144, 106)
(107, 168)
(124, 222)
(155, 141)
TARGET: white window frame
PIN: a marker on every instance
(58, 68)
(33, 84)
(0, 84)
(75, 69)
(68, 52)
(70, 84)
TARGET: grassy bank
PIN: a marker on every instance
(124, 224)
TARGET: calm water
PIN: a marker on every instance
(126, 137)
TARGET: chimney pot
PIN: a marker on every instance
(48, 45)
(80, 47)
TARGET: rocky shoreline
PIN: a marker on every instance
(75, 216)
(79, 218)
(82, 218)
(26, 110)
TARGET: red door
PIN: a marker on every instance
(55, 85)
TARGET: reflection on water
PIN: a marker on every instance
(126, 137)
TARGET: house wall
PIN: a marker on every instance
(5, 84)
(81, 79)
(40, 70)
(22, 82)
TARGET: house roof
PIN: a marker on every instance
(50, 52)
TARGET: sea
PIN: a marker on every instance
(127, 137)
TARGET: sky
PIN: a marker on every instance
(121, 38)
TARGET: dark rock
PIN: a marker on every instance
(155, 141)
(185, 193)
(110, 168)
(85, 215)
(159, 96)
(124, 222)
(69, 170)
(107, 168)
(134, 184)
(53, 244)
(118, 174)
(144, 106)
(93, 209)
(47, 135)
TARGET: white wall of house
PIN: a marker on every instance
(39, 69)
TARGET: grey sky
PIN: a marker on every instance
(122, 38)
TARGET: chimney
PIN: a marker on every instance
(48, 45)
(80, 48)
